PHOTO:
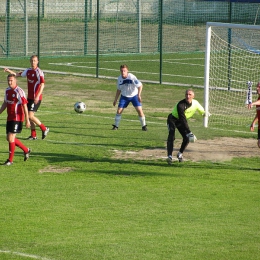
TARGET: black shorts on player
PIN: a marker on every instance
(14, 127)
(33, 107)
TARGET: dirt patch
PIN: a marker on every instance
(55, 169)
(219, 149)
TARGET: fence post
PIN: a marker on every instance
(25, 28)
(86, 28)
(39, 17)
(97, 50)
(139, 19)
(7, 27)
(160, 37)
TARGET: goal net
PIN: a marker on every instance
(232, 67)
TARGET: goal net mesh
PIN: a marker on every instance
(234, 60)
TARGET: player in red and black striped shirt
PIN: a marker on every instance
(35, 83)
(16, 104)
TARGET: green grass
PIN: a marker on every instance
(181, 68)
(74, 199)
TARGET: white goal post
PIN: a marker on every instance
(232, 67)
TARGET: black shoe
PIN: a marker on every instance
(169, 160)
(7, 163)
(31, 138)
(27, 155)
(144, 128)
(115, 127)
(44, 133)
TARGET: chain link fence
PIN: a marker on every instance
(70, 27)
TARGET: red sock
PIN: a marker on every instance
(33, 132)
(21, 145)
(43, 127)
(11, 151)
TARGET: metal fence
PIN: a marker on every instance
(73, 27)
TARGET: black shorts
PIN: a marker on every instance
(33, 107)
(14, 127)
(258, 133)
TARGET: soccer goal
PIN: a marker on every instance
(232, 70)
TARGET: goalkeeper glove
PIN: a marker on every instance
(207, 114)
(192, 137)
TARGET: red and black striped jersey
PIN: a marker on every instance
(34, 79)
(15, 99)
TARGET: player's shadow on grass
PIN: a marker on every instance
(106, 136)
(56, 158)
(106, 144)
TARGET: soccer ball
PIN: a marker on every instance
(80, 107)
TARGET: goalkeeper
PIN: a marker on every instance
(182, 111)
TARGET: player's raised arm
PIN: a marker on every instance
(12, 72)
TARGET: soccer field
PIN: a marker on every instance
(177, 68)
(86, 193)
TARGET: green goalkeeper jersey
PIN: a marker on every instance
(188, 109)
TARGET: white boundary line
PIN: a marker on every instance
(24, 255)
(114, 78)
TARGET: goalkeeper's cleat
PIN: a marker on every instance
(169, 160)
(114, 127)
(179, 156)
(144, 128)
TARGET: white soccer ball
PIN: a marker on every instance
(80, 107)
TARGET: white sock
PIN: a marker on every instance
(142, 120)
(117, 119)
